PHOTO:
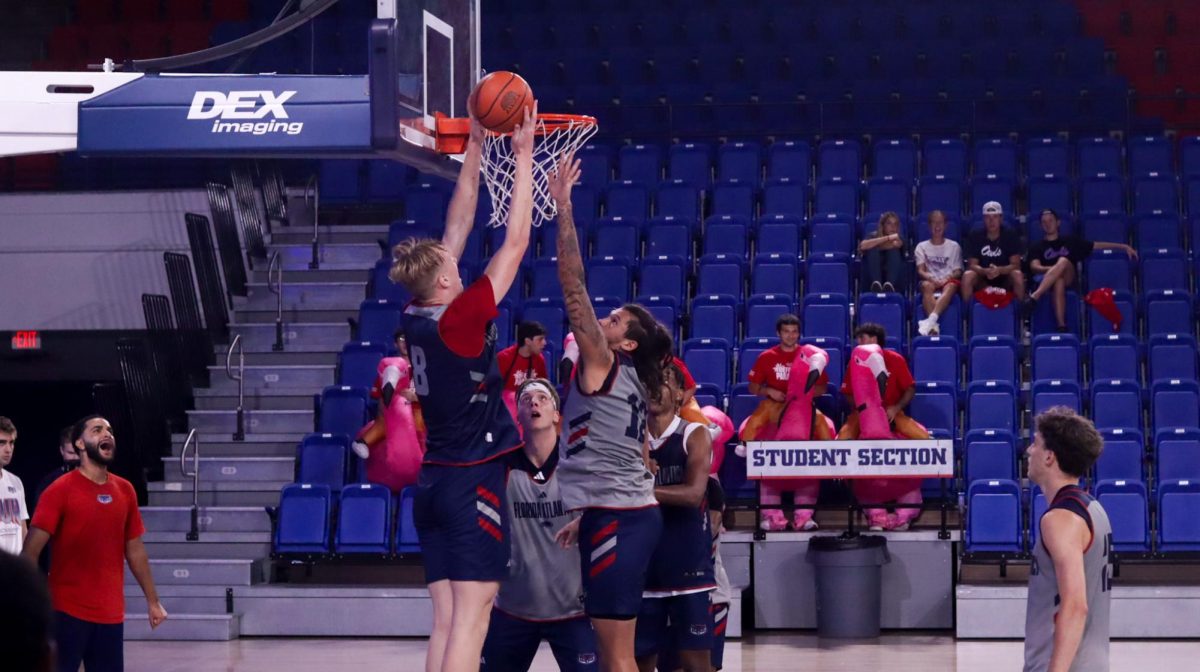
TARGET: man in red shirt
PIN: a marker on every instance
(769, 376)
(896, 397)
(522, 361)
(93, 518)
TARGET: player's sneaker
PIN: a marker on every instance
(773, 520)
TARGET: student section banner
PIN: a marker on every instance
(923, 458)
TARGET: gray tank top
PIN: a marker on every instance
(602, 438)
(543, 581)
(1042, 603)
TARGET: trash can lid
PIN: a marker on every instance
(834, 544)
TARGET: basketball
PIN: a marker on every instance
(499, 99)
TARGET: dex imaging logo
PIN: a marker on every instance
(245, 112)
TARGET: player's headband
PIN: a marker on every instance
(537, 386)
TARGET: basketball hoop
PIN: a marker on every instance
(556, 135)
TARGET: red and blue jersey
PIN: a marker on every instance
(452, 348)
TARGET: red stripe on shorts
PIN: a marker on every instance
(602, 565)
(605, 531)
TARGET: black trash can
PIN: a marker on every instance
(848, 577)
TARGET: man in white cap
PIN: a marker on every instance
(993, 256)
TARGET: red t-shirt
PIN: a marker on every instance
(774, 366)
(899, 378)
(516, 369)
(688, 381)
(463, 326)
(89, 524)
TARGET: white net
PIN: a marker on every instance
(552, 141)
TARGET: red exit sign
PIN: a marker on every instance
(26, 340)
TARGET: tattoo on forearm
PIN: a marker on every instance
(580, 313)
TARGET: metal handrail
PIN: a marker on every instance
(240, 432)
(192, 438)
(314, 186)
(277, 289)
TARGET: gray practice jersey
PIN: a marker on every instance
(1042, 603)
(602, 438)
(544, 581)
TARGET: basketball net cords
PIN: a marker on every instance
(499, 167)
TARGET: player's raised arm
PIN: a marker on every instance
(505, 263)
(594, 353)
(460, 216)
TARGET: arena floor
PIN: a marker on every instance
(762, 653)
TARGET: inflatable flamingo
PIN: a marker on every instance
(869, 377)
(715, 417)
(395, 446)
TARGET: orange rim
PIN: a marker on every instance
(551, 123)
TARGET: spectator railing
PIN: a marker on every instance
(277, 289)
(239, 433)
(193, 439)
(313, 190)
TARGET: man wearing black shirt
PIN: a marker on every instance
(1055, 258)
(70, 460)
(993, 256)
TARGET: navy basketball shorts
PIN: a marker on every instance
(615, 546)
(461, 514)
(677, 623)
(98, 646)
(512, 643)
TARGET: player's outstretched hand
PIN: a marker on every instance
(565, 176)
(157, 615)
(568, 535)
(522, 137)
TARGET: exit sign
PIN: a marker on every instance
(26, 340)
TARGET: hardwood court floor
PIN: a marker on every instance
(762, 653)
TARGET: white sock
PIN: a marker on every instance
(933, 318)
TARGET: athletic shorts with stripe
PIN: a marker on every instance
(513, 642)
(615, 546)
(461, 514)
(668, 659)
(679, 622)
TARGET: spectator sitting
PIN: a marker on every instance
(769, 377)
(993, 256)
(883, 256)
(1054, 258)
(939, 265)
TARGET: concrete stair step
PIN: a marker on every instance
(232, 469)
(215, 545)
(256, 316)
(307, 296)
(184, 627)
(298, 422)
(345, 256)
(211, 519)
(204, 572)
(304, 377)
(255, 400)
(255, 445)
(217, 493)
(286, 357)
(330, 235)
(297, 337)
(184, 599)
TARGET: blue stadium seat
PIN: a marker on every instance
(762, 310)
(1046, 156)
(989, 187)
(895, 158)
(407, 540)
(939, 192)
(828, 273)
(690, 162)
(791, 159)
(1123, 456)
(426, 204)
(504, 321)
(732, 197)
(669, 236)
(679, 199)
(831, 233)
(935, 405)
(739, 161)
(586, 201)
(1037, 508)
(610, 276)
(785, 196)
(1164, 269)
(726, 234)
(386, 180)
(889, 193)
(595, 164)
(626, 198)
(992, 404)
(825, 315)
(780, 234)
(1103, 192)
(840, 158)
(1048, 393)
(548, 310)
(1099, 326)
(359, 361)
(748, 353)
(774, 274)
(721, 274)
(364, 519)
(1104, 226)
(1171, 356)
(543, 280)
(665, 310)
(989, 454)
(741, 403)
(343, 410)
(1057, 357)
(836, 195)
(321, 460)
(1049, 191)
(640, 163)
(1177, 455)
(988, 322)
(1109, 268)
(1174, 403)
(995, 156)
(1150, 154)
(303, 519)
(663, 276)
(886, 309)
(708, 360)
(1128, 512)
(616, 237)
(378, 320)
(993, 358)
(936, 358)
(1154, 193)
(1179, 516)
(1189, 156)
(1191, 195)
(946, 157)
(1042, 321)
(411, 228)
(994, 516)
(949, 323)
(715, 317)
(1169, 312)
(1116, 404)
(1099, 155)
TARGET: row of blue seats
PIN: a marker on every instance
(997, 522)
(363, 519)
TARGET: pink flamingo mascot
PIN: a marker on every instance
(799, 421)
(869, 373)
(394, 441)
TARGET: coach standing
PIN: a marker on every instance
(93, 517)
